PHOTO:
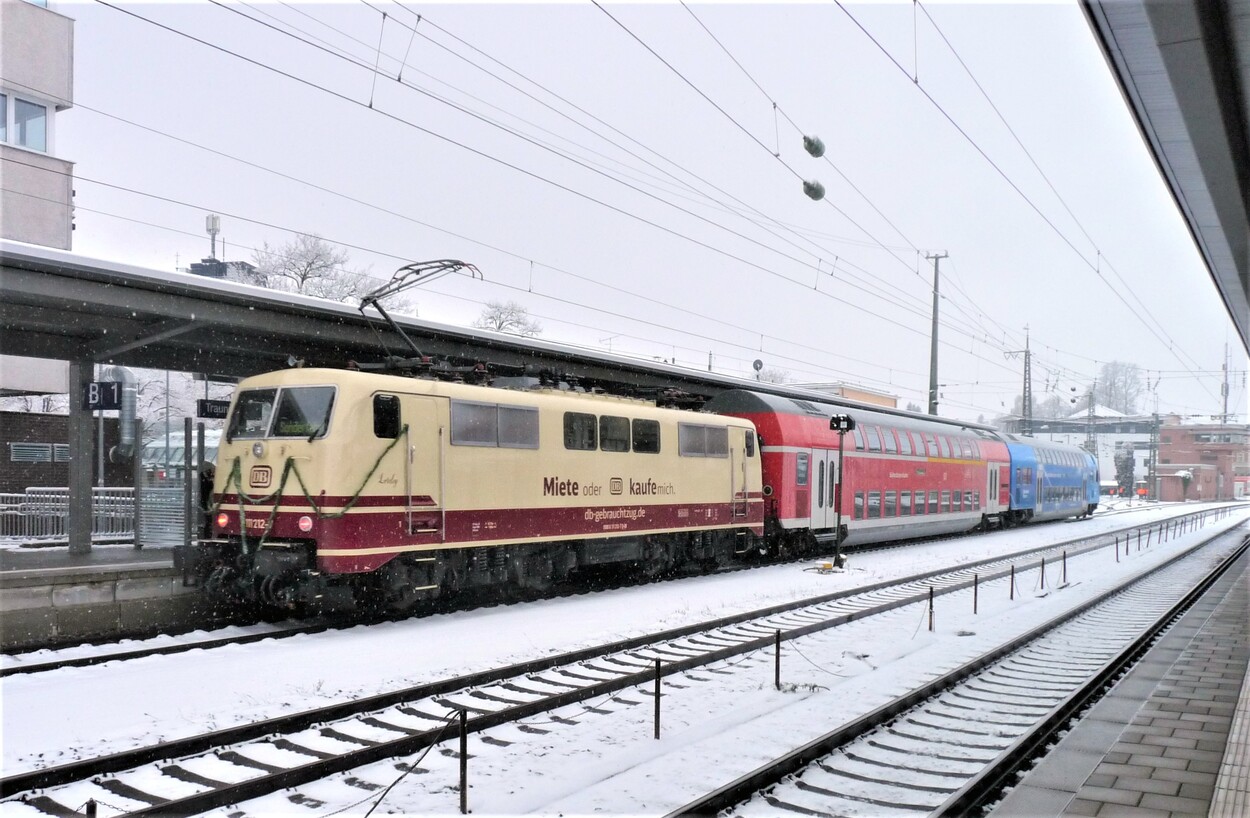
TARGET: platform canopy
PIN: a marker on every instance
(1184, 69)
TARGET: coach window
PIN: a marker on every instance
(820, 484)
(946, 502)
(800, 470)
(976, 500)
(933, 502)
(932, 444)
(386, 416)
(891, 445)
(955, 501)
(891, 504)
(859, 505)
(518, 427)
(966, 446)
(874, 504)
(904, 443)
(750, 443)
(579, 431)
(859, 439)
(646, 436)
(874, 439)
(474, 424)
(920, 502)
(943, 447)
(613, 433)
(904, 504)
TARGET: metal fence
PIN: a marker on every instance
(40, 514)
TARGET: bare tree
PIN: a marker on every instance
(771, 374)
(40, 404)
(508, 317)
(312, 266)
(1119, 386)
(912, 406)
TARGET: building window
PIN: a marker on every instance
(4, 118)
(30, 125)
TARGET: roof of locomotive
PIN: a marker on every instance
(386, 382)
(744, 401)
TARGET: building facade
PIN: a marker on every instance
(36, 82)
(1204, 462)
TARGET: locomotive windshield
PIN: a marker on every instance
(302, 411)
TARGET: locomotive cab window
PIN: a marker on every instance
(580, 431)
(646, 436)
(613, 434)
(750, 444)
(386, 416)
(252, 412)
(303, 411)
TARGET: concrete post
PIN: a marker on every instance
(78, 524)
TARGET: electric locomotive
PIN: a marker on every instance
(399, 489)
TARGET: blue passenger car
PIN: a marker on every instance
(1050, 481)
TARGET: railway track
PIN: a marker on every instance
(952, 746)
(229, 766)
(77, 656)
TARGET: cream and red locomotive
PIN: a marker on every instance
(403, 489)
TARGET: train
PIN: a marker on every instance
(397, 491)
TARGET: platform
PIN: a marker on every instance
(49, 596)
(1173, 736)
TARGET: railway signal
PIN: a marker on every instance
(841, 424)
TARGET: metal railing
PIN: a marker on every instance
(40, 513)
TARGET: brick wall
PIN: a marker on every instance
(29, 427)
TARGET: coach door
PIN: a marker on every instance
(425, 446)
(993, 502)
(824, 482)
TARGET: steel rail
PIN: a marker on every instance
(771, 773)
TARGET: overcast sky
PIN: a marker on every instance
(615, 170)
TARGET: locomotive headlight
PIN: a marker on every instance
(258, 449)
(305, 523)
(223, 519)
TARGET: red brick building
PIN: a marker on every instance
(1203, 462)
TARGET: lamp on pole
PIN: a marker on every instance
(840, 424)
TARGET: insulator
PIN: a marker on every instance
(815, 190)
(814, 146)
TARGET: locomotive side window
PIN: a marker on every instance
(386, 416)
(474, 424)
(579, 431)
(800, 470)
(646, 436)
(750, 445)
(702, 441)
(303, 411)
(613, 434)
(518, 427)
(252, 412)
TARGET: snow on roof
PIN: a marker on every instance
(1100, 411)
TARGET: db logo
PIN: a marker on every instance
(616, 486)
(260, 477)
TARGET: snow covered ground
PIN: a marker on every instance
(716, 726)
